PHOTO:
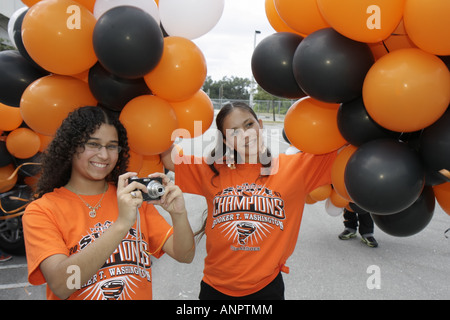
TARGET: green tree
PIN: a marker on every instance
(4, 45)
(232, 88)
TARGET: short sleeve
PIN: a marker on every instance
(158, 230)
(190, 173)
(42, 240)
(318, 170)
(313, 170)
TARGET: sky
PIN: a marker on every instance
(228, 47)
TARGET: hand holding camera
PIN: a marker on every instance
(162, 191)
(155, 188)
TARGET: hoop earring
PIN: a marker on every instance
(230, 159)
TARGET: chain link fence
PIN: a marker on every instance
(267, 110)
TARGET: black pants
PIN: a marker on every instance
(351, 220)
(273, 291)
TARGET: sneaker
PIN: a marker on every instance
(370, 241)
(347, 234)
(5, 257)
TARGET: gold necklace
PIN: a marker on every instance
(93, 209)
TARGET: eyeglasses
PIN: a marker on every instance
(94, 146)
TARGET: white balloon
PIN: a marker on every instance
(332, 210)
(149, 6)
(190, 18)
(291, 150)
(11, 23)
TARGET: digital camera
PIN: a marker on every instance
(154, 187)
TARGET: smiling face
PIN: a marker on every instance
(242, 132)
(90, 164)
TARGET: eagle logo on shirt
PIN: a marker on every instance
(247, 214)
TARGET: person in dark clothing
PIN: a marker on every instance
(351, 221)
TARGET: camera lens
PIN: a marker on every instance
(155, 189)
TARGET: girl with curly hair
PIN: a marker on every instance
(88, 233)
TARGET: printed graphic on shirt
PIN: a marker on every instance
(247, 214)
(122, 273)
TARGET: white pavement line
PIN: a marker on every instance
(14, 285)
(13, 266)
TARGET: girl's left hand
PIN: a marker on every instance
(172, 201)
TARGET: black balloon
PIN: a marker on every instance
(16, 73)
(285, 136)
(446, 60)
(330, 67)
(128, 42)
(5, 157)
(435, 144)
(434, 178)
(17, 34)
(272, 65)
(410, 221)
(356, 125)
(113, 92)
(357, 208)
(384, 176)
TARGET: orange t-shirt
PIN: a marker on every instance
(59, 223)
(253, 223)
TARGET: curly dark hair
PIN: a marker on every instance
(73, 133)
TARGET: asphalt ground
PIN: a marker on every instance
(321, 268)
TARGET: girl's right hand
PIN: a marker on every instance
(129, 198)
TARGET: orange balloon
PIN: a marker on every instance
(198, 108)
(30, 3)
(23, 143)
(394, 42)
(10, 118)
(442, 194)
(151, 164)
(7, 180)
(180, 72)
(337, 200)
(275, 20)
(150, 122)
(309, 200)
(47, 101)
(301, 15)
(407, 90)
(57, 34)
(45, 141)
(321, 193)
(363, 20)
(338, 170)
(135, 162)
(88, 4)
(31, 181)
(311, 126)
(428, 25)
(398, 40)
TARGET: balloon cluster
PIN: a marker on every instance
(134, 57)
(377, 84)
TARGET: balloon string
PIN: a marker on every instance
(384, 44)
(12, 216)
(445, 233)
(17, 169)
(445, 173)
(14, 210)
